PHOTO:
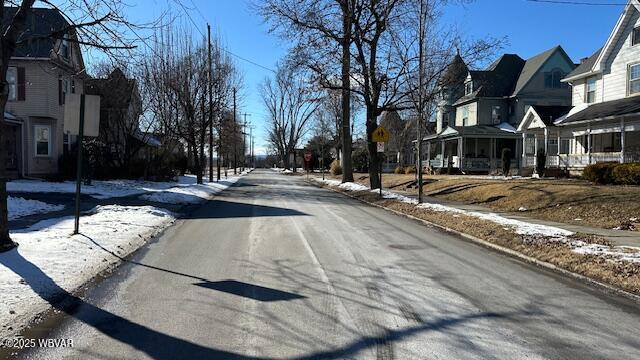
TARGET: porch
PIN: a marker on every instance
(476, 149)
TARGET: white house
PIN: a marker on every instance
(604, 123)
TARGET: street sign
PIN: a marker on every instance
(308, 156)
(380, 135)
(380, 147)
(91, 114)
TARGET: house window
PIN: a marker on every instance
(42, 140)
(552, 79)
(465, 116)
(635, 37)
(530, 145)
(590, 91)
(565, 146)
(496, 114)
(468, 88)
(64, 51)
(634, 79)
(12, 82)
(553, 146)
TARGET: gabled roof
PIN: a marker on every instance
(585, 67)
(116, 90)
(603, 110)
(542, 116)
(597, 61)
(40, 24)
(533, 65)
(502, 130)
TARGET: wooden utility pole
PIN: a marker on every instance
(235, 135)
(210, 108)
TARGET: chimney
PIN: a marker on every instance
(583, 60)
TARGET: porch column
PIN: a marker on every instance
(524, 152)
(535, 153)
(443, 157)
(589, 144)
(558, 144)
(492, 149)
(460, 150)
(546, 141)
(622, 140)
(428, 154)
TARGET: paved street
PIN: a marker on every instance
(275, 268)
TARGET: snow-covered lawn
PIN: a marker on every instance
(550, 233)
(19, 207)
(49, 259)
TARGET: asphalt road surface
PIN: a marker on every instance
(276, 269)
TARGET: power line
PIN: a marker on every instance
(571, 2)
(184, 8)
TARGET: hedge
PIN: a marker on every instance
(613, 173)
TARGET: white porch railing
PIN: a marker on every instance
(529, 161)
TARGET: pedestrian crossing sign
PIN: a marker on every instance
(380, 135)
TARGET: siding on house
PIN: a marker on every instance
(473, 114)
(623, 54)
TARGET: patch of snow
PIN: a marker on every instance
(49, 258)
(19, 207)
(522, 208)
(350, 186)
(505, 126)
(192, 194)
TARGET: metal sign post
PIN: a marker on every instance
(76, 228)
(81, 118)
(380, 136)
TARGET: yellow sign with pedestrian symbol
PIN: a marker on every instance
(380, 135)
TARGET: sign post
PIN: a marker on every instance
(307, 159)
(81, 118)
(380, 135)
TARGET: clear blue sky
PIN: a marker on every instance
(531, 27)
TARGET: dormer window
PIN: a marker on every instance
(468, 88)
(635, 36)
(64, 50)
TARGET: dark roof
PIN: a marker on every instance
(585, 66)
(115, 91)
(455, 73)
(40, 24)
(601, 110)
(550, 113)
(498, 80)
(532, 65)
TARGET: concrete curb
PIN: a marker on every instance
(543, 264)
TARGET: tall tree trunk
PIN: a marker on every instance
(374, 157)
(347, 167)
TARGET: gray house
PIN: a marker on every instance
(40, 73)
(480, 110)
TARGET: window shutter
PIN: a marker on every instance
(60, 94)
(21, 84)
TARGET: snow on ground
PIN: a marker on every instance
(49, 258)
(191, 194)
(19, 207)
(552, 233)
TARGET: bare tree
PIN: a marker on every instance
(322, 31)
(291, 101)
(89, 23)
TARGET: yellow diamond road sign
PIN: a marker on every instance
(380, 135)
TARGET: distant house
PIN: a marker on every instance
(604, 123)
(40, 73)
(121, 140)
(479, 110)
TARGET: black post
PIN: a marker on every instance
(76, 229)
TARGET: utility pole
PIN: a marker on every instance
(235, 135)
(210, 108)
(420, 100)
(244, 140)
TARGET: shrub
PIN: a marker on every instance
(360, 159)
(626, 174)
(506, 161)
(410, 170)
(335, 168)
(600, 173)
(398, 170)
(541, 163)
